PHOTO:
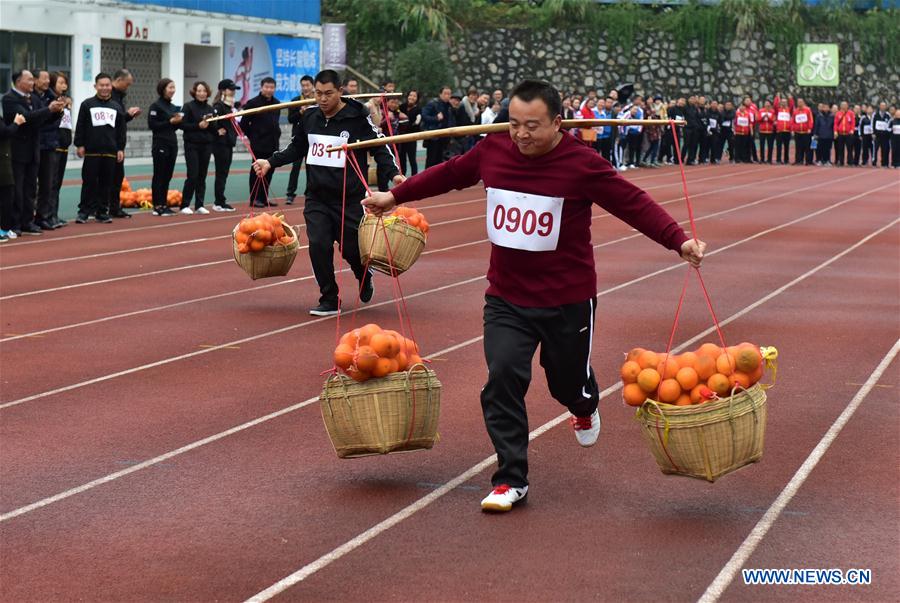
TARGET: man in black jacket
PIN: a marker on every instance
(333, 122)
(881, 126)
(25, 149)
(100, 141)
(437, 115)
(122, 80)
(307, 91)
(48, 141)
(693, 129)
(263, 131)
(223, 142)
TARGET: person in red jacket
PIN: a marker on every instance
(753, 112)
(844, 127)
(743, 133)
(783, 129)
(766, 132)
(542, 284)
(801, 126)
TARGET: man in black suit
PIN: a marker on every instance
(263, 131)
(24, 147)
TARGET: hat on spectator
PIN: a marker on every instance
(457, 94)
(228, 85)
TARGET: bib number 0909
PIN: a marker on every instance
(514, 219)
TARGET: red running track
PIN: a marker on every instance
(160, 438)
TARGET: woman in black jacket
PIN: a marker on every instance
(198, 139)
(223, 142)
(59, 83)
(163, 118)
(410, 121)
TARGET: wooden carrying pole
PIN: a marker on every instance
(300, 103)
(491, 128)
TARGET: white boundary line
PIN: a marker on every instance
(218, 262)
(718, 586)
(442, 249)
(349, 546)
(443, 489)
(411, 296)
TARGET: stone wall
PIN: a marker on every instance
(754, 66)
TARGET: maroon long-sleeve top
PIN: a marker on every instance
(571, 171)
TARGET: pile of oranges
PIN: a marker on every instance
(691, 377)
(412, 217)
(256, 232)
(143, 197)
(371, 351)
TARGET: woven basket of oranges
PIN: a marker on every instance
(264, 246)
(392, 244)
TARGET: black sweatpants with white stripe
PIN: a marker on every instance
(511, 336)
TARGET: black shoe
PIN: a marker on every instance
(57, 223)
(259, 205)
(44, 225)
(120, 214)
(82, 219)
(272, 204)
(368, 288)
(32, 229)
(289, 200)
(324, 310)
(222, 207)
(103, 219)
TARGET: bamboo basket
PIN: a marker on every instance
(396, 413)
(273, 260)
(406, 244)
(706, 440)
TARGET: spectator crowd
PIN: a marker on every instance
(38, 129)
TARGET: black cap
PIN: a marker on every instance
(228, 85)
(457, 94)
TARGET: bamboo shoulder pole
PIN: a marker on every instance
(299, 103)
(491, 128)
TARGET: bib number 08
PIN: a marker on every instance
(514, 219)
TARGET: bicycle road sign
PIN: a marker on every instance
(818, 65)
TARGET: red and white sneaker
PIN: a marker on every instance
(503, 497)
(587, 429)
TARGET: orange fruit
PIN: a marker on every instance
(423, 225)
(366, 358)
(669, 390)
(415, 359)
(343, 356)
(687, 359)
(683, 400)
(384, 345)
(351, 338)
(648, 380)
(705, 367)
(356, 374)
(243, 248)
(697, 393)
(667, 368)
(256, 244)
(709, 349)
(634, 353)
(719, 384)
(630, 371)
(725, 363)
(241, 237)
(748, 359)
(402, 361)
(756, 375)
(246, 226)
(633, 394)
(687, 378)
(648, 359)
(413, 220)
(739, 379)
(382, 367)
(366, 332)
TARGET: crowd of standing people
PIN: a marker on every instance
(38, 129)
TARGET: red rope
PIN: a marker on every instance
(387, 121)
(265, 185)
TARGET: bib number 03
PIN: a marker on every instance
(523, 221)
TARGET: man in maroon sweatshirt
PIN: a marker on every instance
(541, 184)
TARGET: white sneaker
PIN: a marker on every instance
(186, 211)
(503, 497)
(587, 429)
(11, 234)
(201, 210)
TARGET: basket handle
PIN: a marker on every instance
(664, 436)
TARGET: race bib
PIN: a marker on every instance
(881, 126)
(784, 116)
(679, 118)
(66, 121)
(713, 123)
(801, 118)
(726, 123)
(316, 155)
(743, 121)
(523, 221)
(867, 129)
(103, 116)
(895, 129)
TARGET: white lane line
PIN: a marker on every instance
(463, 477)
(299, 325)
(215, 263)
(452, 247)
(411, 509)
(718, 586)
